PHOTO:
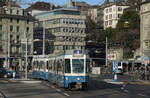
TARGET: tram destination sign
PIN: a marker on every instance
(77, 53)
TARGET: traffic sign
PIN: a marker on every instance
(115, 67)
(8, 58)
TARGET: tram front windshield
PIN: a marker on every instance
(78, 65)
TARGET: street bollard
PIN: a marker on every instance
(115, 78)
(14, 74)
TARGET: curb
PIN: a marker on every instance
(112, 81)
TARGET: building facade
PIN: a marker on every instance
(112, 14)
(92, 13)
(145, 28)
(66, 27)
(115, 54)
(14, 24)
(82, 7)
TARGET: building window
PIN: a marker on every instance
(110, 9)
(110, 16)
(27, 29)
(11, 11)
(119, 8)
(27, 21)
(17, 20)
(17, 38)
(11, 28)
(17, 28)
(11, 19)
(106, 10)
(106, 23)
(17, 12)
(0, 19)
(0, 27)
(110, 22)
(119, 15)
(106, 17)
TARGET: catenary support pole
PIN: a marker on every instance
(106, 63)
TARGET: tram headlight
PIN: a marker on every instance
(66, 78)
(78, 78)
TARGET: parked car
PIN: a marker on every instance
(3, 73)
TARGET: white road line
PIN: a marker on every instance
(124, 85)
(52, 86)
(126, 91)
(143, 95)
(58, 90)
(66, 94)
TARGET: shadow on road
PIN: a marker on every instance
(100, 85)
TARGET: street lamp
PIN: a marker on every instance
(25, 37)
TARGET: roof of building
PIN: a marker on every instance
(145, 1)
(114, 3)
(80, 4)
(27, 17)
(11, 3)
(43, 6)
(68, 11)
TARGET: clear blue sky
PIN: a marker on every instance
(62, 2)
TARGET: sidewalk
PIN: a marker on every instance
(122, 79)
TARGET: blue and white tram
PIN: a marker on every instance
(40, 67)
(68, 71)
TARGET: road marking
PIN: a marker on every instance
(126, 91)
(4, 81)
(12, 80)
(52, 86)
(66, 94)
(143, 95)
(58, 90)
(124, 85)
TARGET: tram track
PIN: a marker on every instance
(2, 95)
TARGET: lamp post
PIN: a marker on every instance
(8, 47)
(106, 63)
(26, 55)
(43, 38)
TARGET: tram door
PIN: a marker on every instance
(60, 71)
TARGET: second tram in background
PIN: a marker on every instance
(69, 70)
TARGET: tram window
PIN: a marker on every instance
(67, 66)
(50, 65)
(47, 63)
(78, 65)
(87, 66)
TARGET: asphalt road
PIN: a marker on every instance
(97, 89)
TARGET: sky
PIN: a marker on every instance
(63, 2)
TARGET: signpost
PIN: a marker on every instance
(115, 70)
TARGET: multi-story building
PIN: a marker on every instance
(66, 27)
(112, 14)
(92, 13)
(40, 7)
(14, 24)
(82, 7)
(145, 28)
